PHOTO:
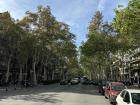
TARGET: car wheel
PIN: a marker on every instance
(111, 102)
(114, 103)
(105, 96)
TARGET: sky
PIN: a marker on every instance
(76, 13)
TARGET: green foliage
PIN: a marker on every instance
(102, 41)
(37, 41)
(127, 23)
(106, 39)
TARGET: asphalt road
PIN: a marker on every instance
(54, 95)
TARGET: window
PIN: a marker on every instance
(127, 97)
(135, 98)
(122, 94)
(118, 87)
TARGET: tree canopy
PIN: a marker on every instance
(39, 45)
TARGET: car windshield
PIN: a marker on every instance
(118, 87)
(135, 98)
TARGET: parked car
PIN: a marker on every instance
(63, 82)
(75, 81)
(129, 97)
(127, 83)
(86, 82)
(82, 80)
(94, 82)
(90, 82)
(112, 90)
(102, 86)
(26, 83)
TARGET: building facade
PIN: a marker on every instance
(127, 67)
(135, 67)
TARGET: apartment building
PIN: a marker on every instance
(135, 67)
(127, 67)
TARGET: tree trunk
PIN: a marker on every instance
(100, 72)
(53, 75)
(20, 74)
(62, 74)
(38, 74)
(26, 71)
(8, 70)
(45, 74)
(90, 75)
(34, 74)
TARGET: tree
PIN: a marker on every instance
(127, 24)
(101, 42)
(39, 45)
(52, 37)
(11, 33)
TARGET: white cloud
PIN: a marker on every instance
(2, 1)
(12, 6)
(101, 5)
(75, 12)
(124, 2)
(17, 8)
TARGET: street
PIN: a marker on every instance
(54, 95)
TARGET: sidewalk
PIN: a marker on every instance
(18, 88)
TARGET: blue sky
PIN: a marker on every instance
(76, 13)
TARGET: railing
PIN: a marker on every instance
(137, 60)
(136, 52)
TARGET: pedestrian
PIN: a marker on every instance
(6, 84)
(69, 80)
(15, 84)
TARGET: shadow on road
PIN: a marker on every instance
(81, 89)
(48, 93)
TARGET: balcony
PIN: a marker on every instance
(135, 66)
(135, 61)
(136, 52)
(3, 69)
(125, 73)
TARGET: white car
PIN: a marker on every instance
(129, 97)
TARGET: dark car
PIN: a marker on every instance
(63, 82)
(102, 86)
(94, 82)
(84, 81)
(87, 82)
(75, 81)
(26, 83)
